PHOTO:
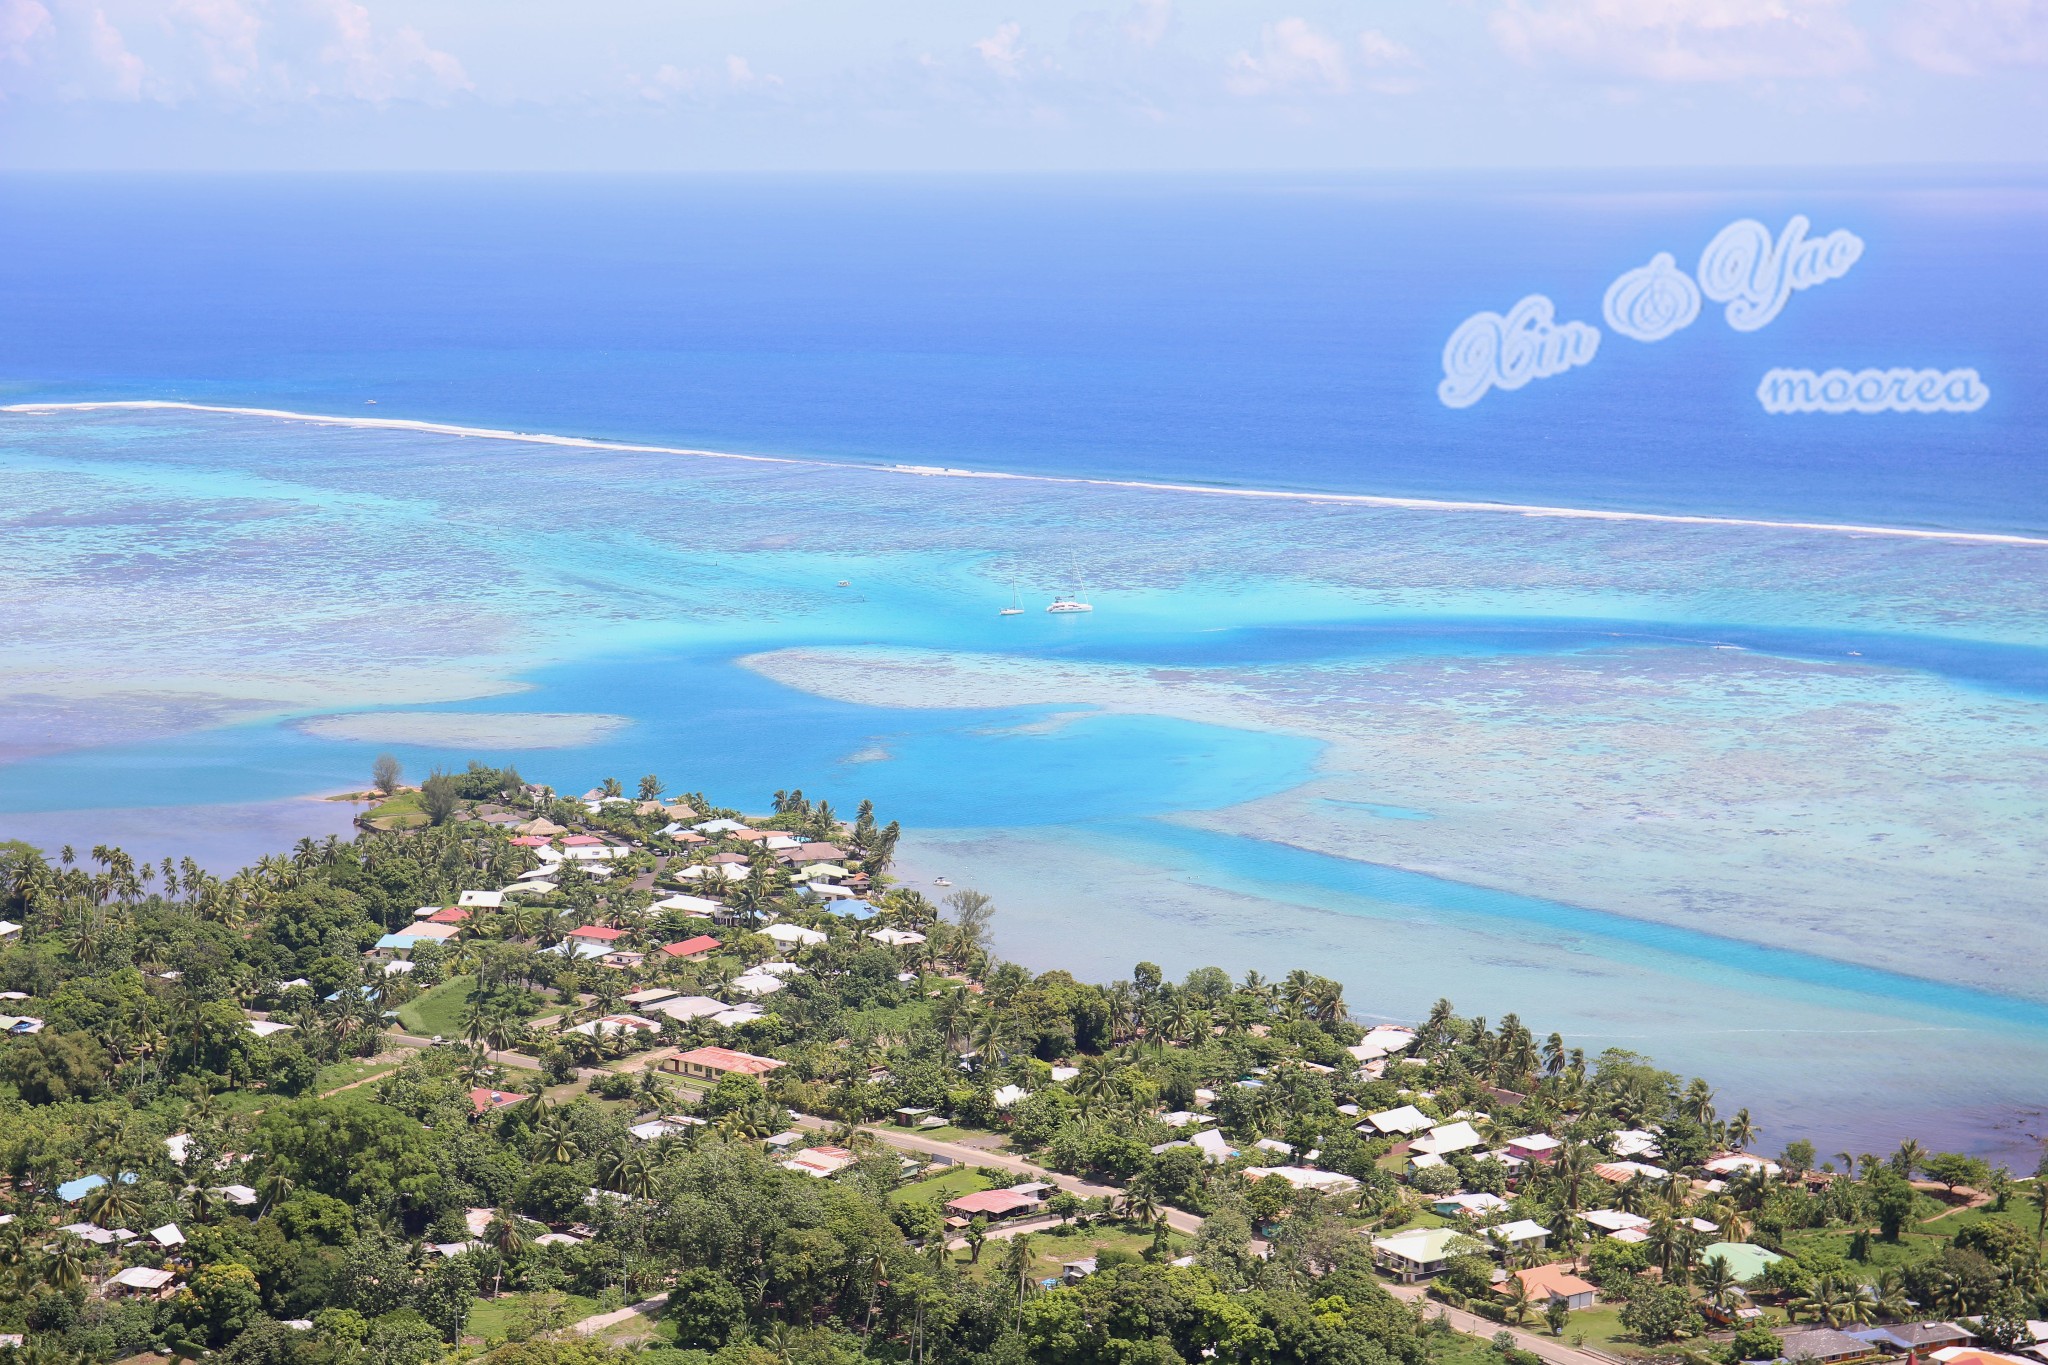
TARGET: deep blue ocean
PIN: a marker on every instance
(1271, 333)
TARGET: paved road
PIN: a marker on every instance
(1548, 1347)
(1177, 1219)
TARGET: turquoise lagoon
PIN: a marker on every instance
(1763, 804)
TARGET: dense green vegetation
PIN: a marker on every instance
(396, 1223)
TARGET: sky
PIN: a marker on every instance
(1000, 85)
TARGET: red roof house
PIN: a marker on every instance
(529, 841)
(691, 947)
(581, 841)
(597, 933)
(991, 1203)
(485, 1100)
(450, 915)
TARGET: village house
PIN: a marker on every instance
(483, 1100)
(1548, 1284)
(1823, 1345)
(995, 1204)
(715, 1063)
(1417, 1253)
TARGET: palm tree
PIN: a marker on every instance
(1888, 1297)
(1519, 1301)
(1716, 1282)
(1908, 1158)
(1825, 1302)
(1140, 1204)
(1742, 1130)
(63, 1266)
(504, 1238)
(113, 1205)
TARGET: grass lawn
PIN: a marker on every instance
(1053, 1248)
(339, 1074)
(949, 1133)
(438, 1010)
(525, 1312)
(1911, 1246)
(951, 1183)
(1459, 1348)
(402, 811)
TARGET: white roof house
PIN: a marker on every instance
(140, 1277)
(666, 1126)
(689, 905)
(1212, 1146)
(1406, 1119)
(731, 872)
(169, 1235)
(687, 1007)
(481, 900)
(1305, 1178)
(757, 983)
(1611, 1221)
(1737, 1163)
(264, 1028)
(1520, 1233)
(1446, 1138)
(1010, 1096)
(788, 934)
(1632, 1142)
(897, 938)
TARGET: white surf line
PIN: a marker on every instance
(1144, 485)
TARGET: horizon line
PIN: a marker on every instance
(1534, 510)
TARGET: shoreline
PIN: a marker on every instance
(1536, 510)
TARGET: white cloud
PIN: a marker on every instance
(1147, 22)
(1378, 50)
(244, 52)
(22, 22)
(1293, 58)
(1964, 37)
(378, 65)
(1685, 41)
(123, 69)
(1002, 50)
